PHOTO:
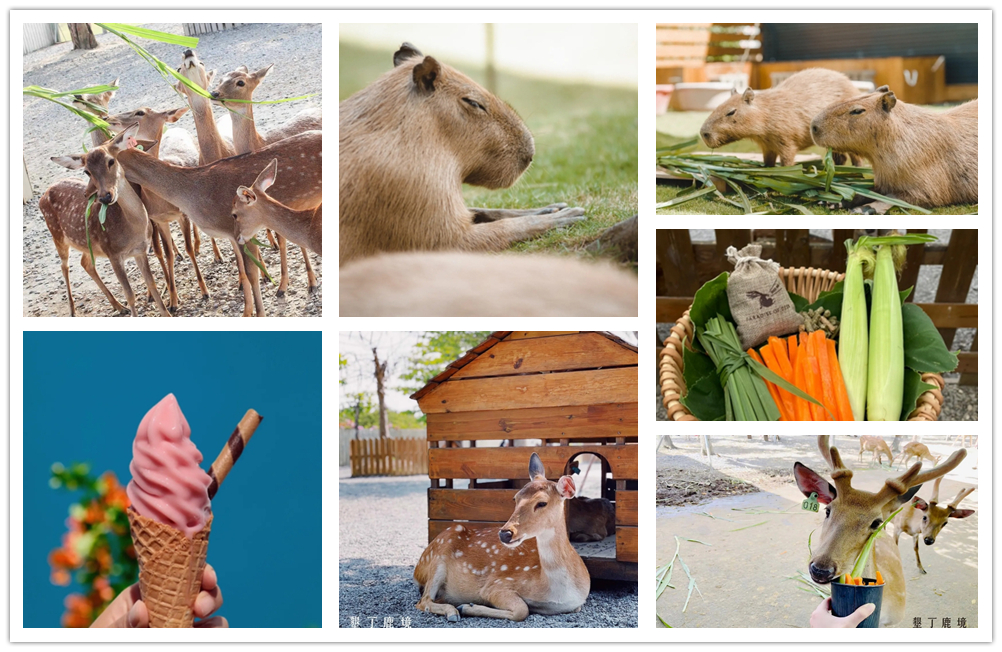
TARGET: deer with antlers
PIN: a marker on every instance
(918, 451)
(877, 446)
(852, 515)
(528, 566)
(126, 232)
(253, 209)
(924, 520)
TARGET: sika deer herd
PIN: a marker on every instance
(209, 184)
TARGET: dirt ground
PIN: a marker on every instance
(771, 521)
(50, 130)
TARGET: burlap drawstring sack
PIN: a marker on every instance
(759, 302)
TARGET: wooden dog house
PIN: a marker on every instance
(558, 394)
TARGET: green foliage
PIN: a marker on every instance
(405, 420)
(97, 549)
(433, 352)
(925, 350)
(368, 411)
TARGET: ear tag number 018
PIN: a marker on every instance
(811, 504)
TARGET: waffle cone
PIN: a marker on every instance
(170, 569)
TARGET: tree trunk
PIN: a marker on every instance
(667, 443)
(358, 413)
(384, 420)
(83, 36)
(896, 444)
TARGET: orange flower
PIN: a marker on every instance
(95, 513)
(60, 577)
(103, 558)
(64, 558)
(103, 590)
(79, 612)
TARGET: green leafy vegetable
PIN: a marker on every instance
(913, 388)
(925, 350)
(710, 301)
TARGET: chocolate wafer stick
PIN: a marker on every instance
(232, 450)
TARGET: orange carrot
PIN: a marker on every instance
(859, 581)
(785, 398)
(880, 578)
(803, 410)
(773, 390)
(794, 349)
(847, 579)
(825, 374)
(841, 396)
(812, 375)
(779, 347)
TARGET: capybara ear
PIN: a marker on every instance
(748, 96)
(882, 89)
(426, 74)
(734, 91)
(405, 52)
(888, 101)
(565, 485)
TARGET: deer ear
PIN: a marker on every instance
(426, 74)
(536, 468)
(961, 513)
(263, 72)
(267, 176)
(918, 503)
(246, 195)
(908, 495)
(810, 482)
(74, 162)
(209, 77)
(175, 114)
(243, 69)
(565, 485)
(405, 52)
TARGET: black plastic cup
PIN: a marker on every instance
(847, 598)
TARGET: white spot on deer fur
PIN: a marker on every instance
(483, 544)
(458, 553)
(536, 566)
(510, 579)
(504, 567)
(494, 563)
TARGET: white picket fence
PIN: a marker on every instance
(345, 435)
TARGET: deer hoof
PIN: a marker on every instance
(313, 289)
(280, 294)
(453, 618)
(205, 297)
(172, 309)
(922, 570)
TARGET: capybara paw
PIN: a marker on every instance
(568, 216)
(864, 210)
(552, 208)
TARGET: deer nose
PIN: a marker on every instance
(822, 574)
(929, 541)
(106, 198)
(189, 53)
(505, 536)
(215, 95)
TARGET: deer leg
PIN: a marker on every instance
(427, 602)
(856, 160)
(195, 236)
(244, 280)
(64, 251)
(92, 272)
(156, 245)
(123, 278)
(917, 559)
(190, 232)
(496, 236)
(507, 604)
(481, 215)
(168, 241)
(249, 279)
(271, 238)
(151, 283)
(311, 278)
(283, 254)
(215, 251)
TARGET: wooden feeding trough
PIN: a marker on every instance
(565, 395)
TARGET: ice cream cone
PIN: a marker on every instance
(170, 569)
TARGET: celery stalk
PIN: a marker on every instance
(886, 366)
(864, 554)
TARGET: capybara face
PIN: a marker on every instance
(853, 125)
(730, 121)
(488, 137)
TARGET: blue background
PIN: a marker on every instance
(84, 395)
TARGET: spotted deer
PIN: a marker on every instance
(877, 446)
(88, 101)
(236, 92)
(918, 451)
(528, 566)
(925, 520)
(205, 193)
(126, 232)
(253, 209)
(851, 516)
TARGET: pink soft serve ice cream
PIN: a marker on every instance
(168, 485)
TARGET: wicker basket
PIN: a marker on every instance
(808, 283)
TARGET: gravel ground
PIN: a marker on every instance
(961, 401)
(50, 130)
(376, 573)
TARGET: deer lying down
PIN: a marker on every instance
(926, 519)
(528, 566)
(590, 519)
(851, 515)
(453, 284)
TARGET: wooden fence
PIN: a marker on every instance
(389, 457)
(683, 266)
(697, 52)
(195, 29)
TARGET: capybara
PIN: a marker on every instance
(408, 142)
(779, 119)
(455, 284)
(927, 158)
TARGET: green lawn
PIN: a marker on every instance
(674, 127)
(586, 147)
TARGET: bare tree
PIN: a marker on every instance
(384, 420)
(83, 36)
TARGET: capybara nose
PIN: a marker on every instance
(505, 536)
(822, 574)
(705, 135)
(929, 541)
(106, 198)
(815, 130)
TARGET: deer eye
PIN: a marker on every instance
(474, 104)
(540, 505)
(234, 216)
(733, 111)
(240, 83)
(925, 518)
(140, 113)
(111, 163)
(857, 111)
(87, 172)
(828, 512)
(875, 524)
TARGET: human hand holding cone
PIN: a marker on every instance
(171, 515)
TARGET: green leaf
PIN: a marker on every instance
(663, 622)
(710, 300)
(260, 265)
(913, 388)
(150, 34)
(102, 215)
(705, 399)
(799, 303)
(90, 248)
(925, 350)
(905, 294)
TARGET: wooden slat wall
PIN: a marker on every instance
(495, 505)
(930, 88)
(692, 44)
(565, 422)
(684, 266)
(388, 457)
(196, 29)
(493, 463)
(626, 507)
(567, 353)
(626, 544)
